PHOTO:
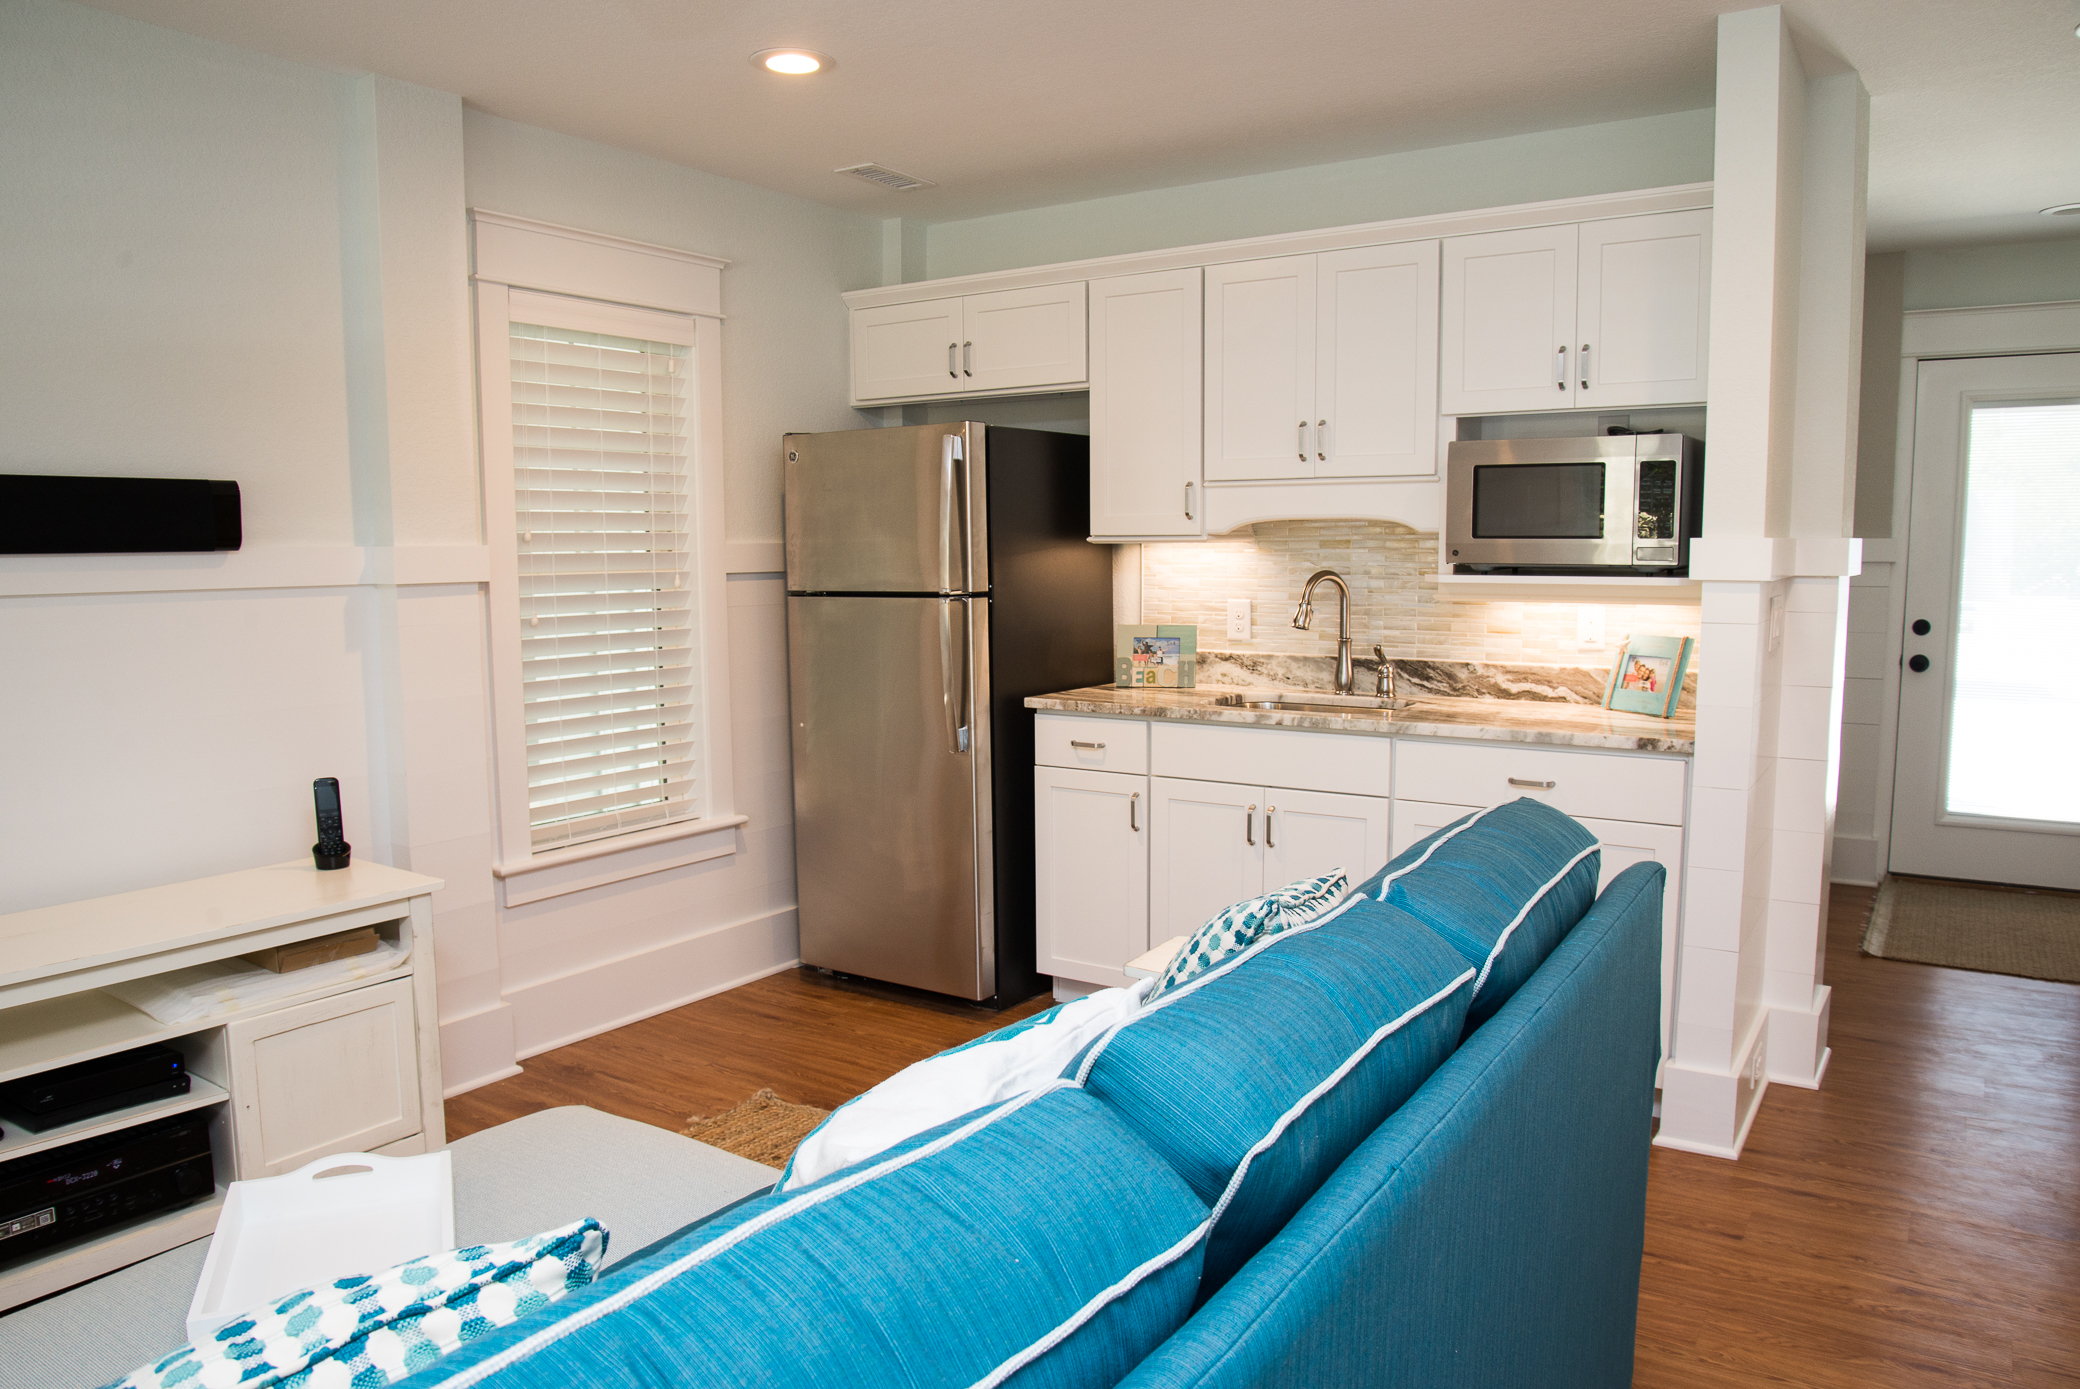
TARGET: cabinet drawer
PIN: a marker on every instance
(1610, 786)
(1345, 762)
(1097, 745)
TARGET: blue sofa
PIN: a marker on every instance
(1405, 1145)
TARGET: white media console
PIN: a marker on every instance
(351, 1066)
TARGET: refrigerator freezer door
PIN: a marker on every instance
(891, 768)
(887, 510)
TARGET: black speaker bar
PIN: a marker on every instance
(41, 515)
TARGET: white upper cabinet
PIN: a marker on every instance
(1011, 340)
(1024, 339)
(1260, 349)
(1606, 313)
(906, 350)
(1145, 412)
(1508, 321)
(1376, 361)
(1323, 365)
(1645, 310)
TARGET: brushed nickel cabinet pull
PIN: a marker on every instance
(1321, 447)
(1583, 368)
(1077, 743)
(1269, 842)
(951, 349)
(968, 359)
(1249, 826)
(1133, 816)
(1560, 370)
(1533, 785)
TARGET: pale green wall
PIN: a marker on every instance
(1963, 277)
(1648, 152)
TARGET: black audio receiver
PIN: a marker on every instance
(49, 1198)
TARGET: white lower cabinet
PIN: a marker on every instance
(1214, 843)
(337, 1075)
(1091, 833)
(1625, 843)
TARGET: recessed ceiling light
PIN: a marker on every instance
(2061, 210)
(791, 62)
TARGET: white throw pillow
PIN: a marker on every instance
(998, 1066)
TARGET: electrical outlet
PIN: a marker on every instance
(1588, 625)
(1238, 619)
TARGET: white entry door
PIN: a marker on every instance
(1987, 784)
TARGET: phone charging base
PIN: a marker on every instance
(325, 860)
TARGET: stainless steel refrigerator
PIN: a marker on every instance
(936, 575)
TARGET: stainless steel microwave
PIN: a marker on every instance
(1615, 504)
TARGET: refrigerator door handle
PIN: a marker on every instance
(954, 687)
(952, 580)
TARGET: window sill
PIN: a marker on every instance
(554, 872)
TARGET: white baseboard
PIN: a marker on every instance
(477, 1049)
(1855, 860)
(614, 993)
(1710, 1111)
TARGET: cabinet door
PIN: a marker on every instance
(1644, 309)
(906, 350)
(1376, 361)
(1205, 852)
(1145, 415)
(1624, 844)
(340, 1075)
(1022, 338)
(1091, 832)
(1507, 329)
(1307, 833)
(1260, 345)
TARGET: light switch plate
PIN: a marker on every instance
(1588, 625)
(1238, 619)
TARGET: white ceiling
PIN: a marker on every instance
(1006, 104)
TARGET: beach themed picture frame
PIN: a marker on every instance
(1648, 678)
(1160, 656)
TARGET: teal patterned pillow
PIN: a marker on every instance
(1237, 928)
(374, 1329)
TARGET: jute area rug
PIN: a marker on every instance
(2031, 932)
(764, 1128)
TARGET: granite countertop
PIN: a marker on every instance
(1501, 720)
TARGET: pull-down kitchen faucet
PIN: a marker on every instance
(1304, 615)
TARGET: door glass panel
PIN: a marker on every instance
(2014, 734)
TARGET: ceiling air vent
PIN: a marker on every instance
(887, 178)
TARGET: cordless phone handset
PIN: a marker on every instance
(332, 849)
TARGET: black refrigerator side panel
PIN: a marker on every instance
(1050, 629)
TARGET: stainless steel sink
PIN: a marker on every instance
(1311, 703)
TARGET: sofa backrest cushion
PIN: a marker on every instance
(1255, 1079)
(1502, 885)
(1038, 1241)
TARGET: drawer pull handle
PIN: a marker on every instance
(1133, 812)
(1249, 826)
(1094, 747)
(1533, 785)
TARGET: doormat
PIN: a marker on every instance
(2030, 932)
(764, 1128)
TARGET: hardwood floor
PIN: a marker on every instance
(1914, 1222)
(813, 1038)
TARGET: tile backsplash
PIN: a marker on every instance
(1394, 599)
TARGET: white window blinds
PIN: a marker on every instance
(608, 636)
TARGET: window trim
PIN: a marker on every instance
(601, 278)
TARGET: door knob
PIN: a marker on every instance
(1917, 663)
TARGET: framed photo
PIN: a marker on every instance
(1165, 656)
(1648, 678)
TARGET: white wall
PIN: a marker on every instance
(225, 265)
